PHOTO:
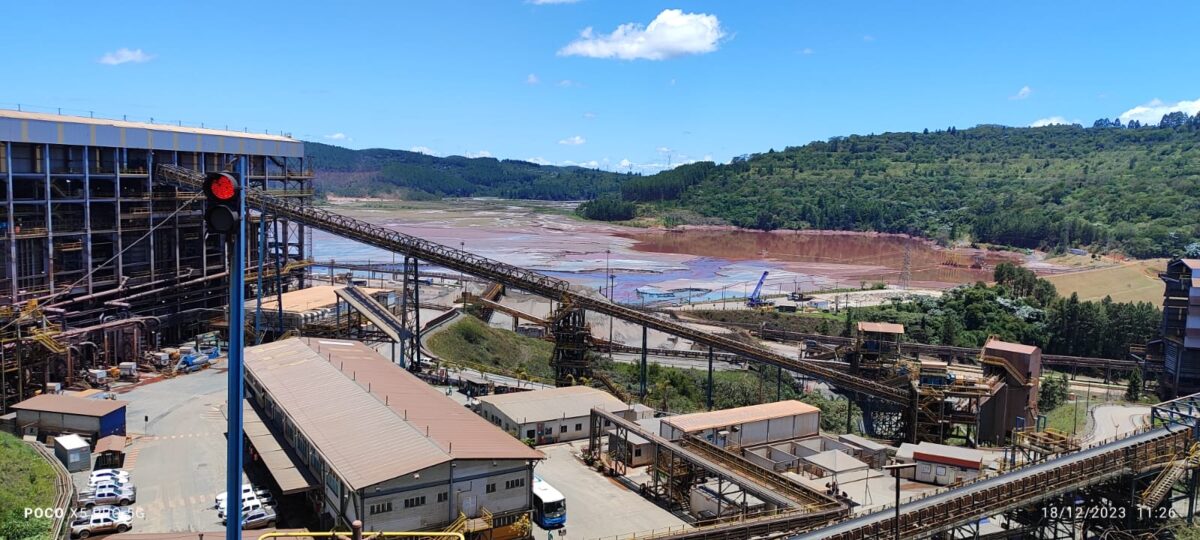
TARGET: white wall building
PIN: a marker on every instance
(383, 446)
(747, 426)
(548, 416)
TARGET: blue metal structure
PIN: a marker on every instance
(237, 334)
(755, 299)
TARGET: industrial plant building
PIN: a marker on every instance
(940, 464)
(103, 259)
(548, 416)
(54, 414)
(384, 447)
(1181, 328)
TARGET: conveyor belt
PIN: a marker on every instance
(386, 321)
(1018, 488)
(512, 276)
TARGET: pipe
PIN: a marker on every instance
(184, 284)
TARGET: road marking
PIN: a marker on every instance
(131, 458)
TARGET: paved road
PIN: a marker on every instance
(597, 506)
(177, 460)
(1113, 420)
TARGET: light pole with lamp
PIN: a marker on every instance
(895, 469)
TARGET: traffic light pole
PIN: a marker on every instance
(237, 333)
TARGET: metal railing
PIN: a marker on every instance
(64, 493)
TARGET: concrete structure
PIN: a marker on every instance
(940, 464)
(52, 414)
(77, 193)
(1181, 327)
(386, 448)
(747, 426)
(304, 306)
(73, 452)
(548, 416)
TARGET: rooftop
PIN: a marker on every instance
(316, 297)
(71, 442)
(47, 117)
(694, 422)
(836, 461)
(880, 327)
(1018, 348)
(862, 442)
(56, 403)
(353, 405)
(553, 403)
(111, 443)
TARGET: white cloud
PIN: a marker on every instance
(547, 2)
(868, 38)
(672, 33)
(479, 154)
(568, 83)
(807, 51)
(592, 164)
(574, 140)
(1053, 121)
(663, 150)
(539, 160)
(339, 136)
(625, 164)
(1023, 93)
(423, 150)
(124, 56)
(589, 115)
(1152, 113)
(532, 79)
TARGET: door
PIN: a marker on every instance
(469, 506)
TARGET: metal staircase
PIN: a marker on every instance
(1161, 486)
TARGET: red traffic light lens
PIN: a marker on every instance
(222, 187)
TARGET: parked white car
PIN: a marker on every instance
(114, 474)
(115, 481)
(248, 505)
(247, 489)
(258, 519)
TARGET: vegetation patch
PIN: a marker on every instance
(28, 482)
(471, 343)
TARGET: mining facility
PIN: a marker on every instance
(79, 193)
(109, 273)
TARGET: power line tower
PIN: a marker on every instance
(906, 270)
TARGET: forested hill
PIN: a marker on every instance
(382, 172)
(1134, 189)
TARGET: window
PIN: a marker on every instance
(941, 471)
(381, 508)
(578, 427)
(443, 497)
(607, 423)
(925, 469)
(491, 488)
(515, 483)
(529, 434)
(414, 502)
(637, 452)
(562, 428)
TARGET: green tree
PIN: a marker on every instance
(1052, 392)
(1133, 392)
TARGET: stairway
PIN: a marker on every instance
(1161, 486)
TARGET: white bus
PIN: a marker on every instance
(549, 506)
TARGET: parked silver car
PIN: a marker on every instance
(258, 519)
(122, 495)
(100, 522)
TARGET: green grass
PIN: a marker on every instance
(473, 344)
(1063, 417)
(28, 482)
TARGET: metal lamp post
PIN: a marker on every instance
(896, 468)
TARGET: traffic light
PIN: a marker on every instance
(224, 196)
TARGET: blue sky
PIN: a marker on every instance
(519, 79)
